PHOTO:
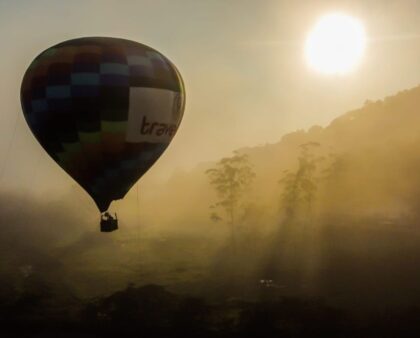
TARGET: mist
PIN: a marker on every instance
(286, 205)
(328, 215)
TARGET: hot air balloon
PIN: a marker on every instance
(105, 109)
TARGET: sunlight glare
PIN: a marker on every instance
(336, 44)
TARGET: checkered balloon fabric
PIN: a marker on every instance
(104, 109)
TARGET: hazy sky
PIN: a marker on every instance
(242, 62)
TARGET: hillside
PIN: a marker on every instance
(363, 212)
(378, 145)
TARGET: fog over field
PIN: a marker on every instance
(286, 205)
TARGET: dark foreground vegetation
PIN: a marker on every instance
(315, 236)
(152, 311)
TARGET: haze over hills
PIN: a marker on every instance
(363, 212)
(287, 204)
(377, 146)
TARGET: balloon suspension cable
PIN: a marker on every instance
(138, 204)
(9, 147)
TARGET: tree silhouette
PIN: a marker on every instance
(335, 167)
(231, 178)
(300, 186)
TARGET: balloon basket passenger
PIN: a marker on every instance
(108, 223)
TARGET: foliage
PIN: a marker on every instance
(300, 186)
(231, 178)
(336, 166)
(152, 311)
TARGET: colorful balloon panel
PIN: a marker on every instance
(104, 109)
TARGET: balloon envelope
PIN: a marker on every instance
(104, 109)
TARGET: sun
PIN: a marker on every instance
(336, 44)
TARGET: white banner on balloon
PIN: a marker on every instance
(153, 115)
